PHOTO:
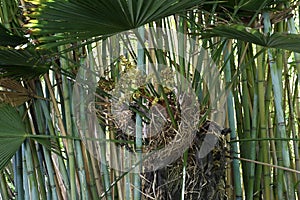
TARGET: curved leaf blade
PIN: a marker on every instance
(285, 41)
(8, 39)
(23, 63)
(12, 133)
(71, 21)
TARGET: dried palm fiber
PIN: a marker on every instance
(13, 92)
(205, 177)
(205, 174)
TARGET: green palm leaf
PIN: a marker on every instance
(285, 41)
(12, 133)
(24, 63)
(249, 5)
(277, 40)
(8, 39)
(72, 21)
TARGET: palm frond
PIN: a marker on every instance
(64, 22)
(22, 63)
(240, 32)
(250, 5)
(12, 133)
(8, 39)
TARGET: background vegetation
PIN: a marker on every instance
(254, 44)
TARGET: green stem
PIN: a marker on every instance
(264, 146)
(276, 69)
(233, 136)
(138, 123)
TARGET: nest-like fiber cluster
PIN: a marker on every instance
(205, 175)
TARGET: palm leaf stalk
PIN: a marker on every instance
(33, 185)
(76, 147)
(64, 133)
(80, 164)
(183, 68)
(184, 174)
(247, 148)
(61, 168)
(37, 155)
(38, 169)
(254, 119)
(18, 175)
(233, 136)
(91, 176)
(182, 45)
(3, 184)
(263, 132)
(275, 73)
(139, 125)
(252, 95)
(292, 125)
(25, 176)
(41, 123)
(246, 112)
(91, 161)
(104, 166)
(105, 174)
(279, 182)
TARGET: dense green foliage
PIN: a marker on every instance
(250, 47)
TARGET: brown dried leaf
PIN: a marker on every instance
(13, 92)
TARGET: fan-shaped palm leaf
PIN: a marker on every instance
(23, 63)
(82, 19)
(277, 40)
(8, 39)
(12, 133)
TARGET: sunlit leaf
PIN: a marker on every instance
(64, 22)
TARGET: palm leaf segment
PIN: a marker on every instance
(8, 39)
(240, 32)
(19, 62)
(22, 63)
(13, 134)
(74, 20)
